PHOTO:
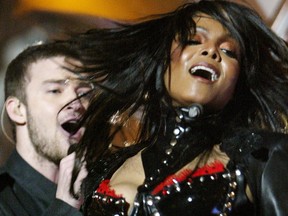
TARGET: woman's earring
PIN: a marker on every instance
(115, 119)
(146, 96)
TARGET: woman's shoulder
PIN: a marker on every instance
(263, 158)
(241, 144)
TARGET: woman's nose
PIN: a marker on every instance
(212, 53)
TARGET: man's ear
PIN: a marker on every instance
(16, 110)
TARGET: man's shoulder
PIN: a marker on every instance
(6, 192)
(5, 179)
(2, 170)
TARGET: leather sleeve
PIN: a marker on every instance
(263, 157)
(274, 182)
(268, 178)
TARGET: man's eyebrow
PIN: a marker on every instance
(81, 82)
(55, 81)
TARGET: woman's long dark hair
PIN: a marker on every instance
(127, 64)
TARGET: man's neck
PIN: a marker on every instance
(42, 165)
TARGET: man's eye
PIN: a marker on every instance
(81, 94)
(55, 91)
(85, 93)
(230, 53)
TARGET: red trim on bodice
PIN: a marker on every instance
(212, 168)
(215, 167)
(104, 188)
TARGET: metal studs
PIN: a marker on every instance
(238, 172)
(164, 162)
(176, 131)
(137, 204)
(194, 111)
(157, 198)
(149, 201)
(231, 195)
(228, 205)
(226, 175)
(168, 151)
(173, 142)
(178, 119)
(233, 185)
(146, 185)
(187, 129)
(95, 196)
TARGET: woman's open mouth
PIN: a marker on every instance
(204, 72)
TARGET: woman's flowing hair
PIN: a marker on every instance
(127, 65)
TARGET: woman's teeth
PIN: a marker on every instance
(204, 72)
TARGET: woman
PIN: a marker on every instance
(211, 82)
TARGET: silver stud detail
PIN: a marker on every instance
(173, 142)
(168, 151)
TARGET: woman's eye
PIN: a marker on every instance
(193, 42)
(230, 53)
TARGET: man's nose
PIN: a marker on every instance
(76, 105)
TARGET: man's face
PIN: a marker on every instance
(49, 93)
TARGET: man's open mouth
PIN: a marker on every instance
(71, 126)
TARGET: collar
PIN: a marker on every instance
(30, 180)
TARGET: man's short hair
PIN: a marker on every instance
(16, 73)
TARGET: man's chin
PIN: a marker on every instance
(56, 159)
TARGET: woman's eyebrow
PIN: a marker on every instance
(205, 30)
(201, 29)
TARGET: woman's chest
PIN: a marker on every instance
(209, 190)
(128, 177)
(183, 194)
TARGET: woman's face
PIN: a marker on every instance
(207, 69)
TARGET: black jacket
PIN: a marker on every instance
(24, 191)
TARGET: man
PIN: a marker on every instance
(43, 101)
